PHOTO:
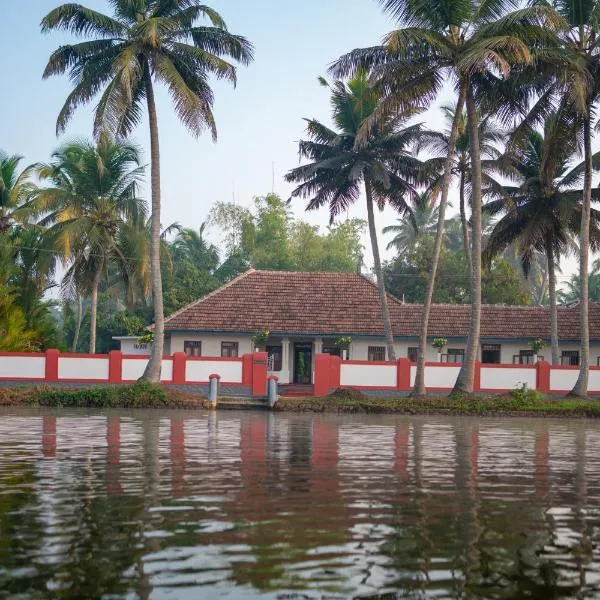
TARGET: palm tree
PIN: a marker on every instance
(383, 164)
(191, 245)
(15, 189)
(460, 41)
(93, 194)
(542, 213)
(422, 222)
(143, 42)
(570, 295)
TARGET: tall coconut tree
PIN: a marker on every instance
(541, 211)
(16, 188)
(457, 41)
(90, 194)
(384, 167)
(142, 43)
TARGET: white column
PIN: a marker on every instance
(318, 345)
(285, 361)
(317, 349)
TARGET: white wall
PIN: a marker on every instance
(132, 347)
(83, 369)
(436, 377)
(22, 367)
(508, 378)
(211, 344)
(198, 371)
(375, 375)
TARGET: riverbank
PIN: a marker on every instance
(520, 403)
(137, 395)
(146, 395)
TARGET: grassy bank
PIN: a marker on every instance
(523, 403)
(137, 395)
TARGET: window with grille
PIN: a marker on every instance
(413, 354)
(192, 348)
(275, 357)
(229, 349)
(490, 353)
(570, 358)
(456, 355)
(376, 352)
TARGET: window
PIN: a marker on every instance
(275, 357)
(413, 354)
(229, 349)
(456, 355)
(570, 358)
(376, 352)
(490, 354)
(333, 350)
(192, 348)
(525, 357)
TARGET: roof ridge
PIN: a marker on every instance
(308, 273)
(211, 294)
(387, 293)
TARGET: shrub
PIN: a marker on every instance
(343, 393)
(523, 395)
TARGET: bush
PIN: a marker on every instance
(342, 393)
(525, 396)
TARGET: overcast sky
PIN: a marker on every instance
(259, 123)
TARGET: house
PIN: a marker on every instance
(305, 313)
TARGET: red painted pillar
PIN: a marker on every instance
(542, 380)
(115, 366)
(477, 378)
(259, 373)
(52, 365)
(247, 362)
(335, 372)
(322, 369)
(177, 457)
(404, 374)
(179, 362)
(49, 437)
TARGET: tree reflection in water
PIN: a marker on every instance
(145, 504)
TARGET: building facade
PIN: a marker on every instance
(310, 313)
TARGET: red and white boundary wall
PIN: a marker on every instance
(331, 372)
(249, 371)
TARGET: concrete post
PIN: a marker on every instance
(285, 360)
(273, 390)
(213, 389)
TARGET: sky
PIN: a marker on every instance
(259, 122)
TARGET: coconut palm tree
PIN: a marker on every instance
(15, 189)
(143, 42)
(422, 222)
(459, 41)
(92, 194)
(383, 165)
(541, 212)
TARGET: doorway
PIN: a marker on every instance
(303, 363)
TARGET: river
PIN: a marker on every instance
(168, 504)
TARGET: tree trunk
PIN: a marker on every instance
(466, 376)
(78, 321)
(385, 311)
(581, 385)
(552, 298)
(465, 223)
(94, 306)
(152, 372)
(419, 388)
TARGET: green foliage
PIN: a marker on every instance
(439, 343)
(343, 342)
(406, 277)
(14, 335)
(537, 345)
(260, 337)
(525, 396)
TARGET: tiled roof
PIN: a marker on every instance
(347, 303)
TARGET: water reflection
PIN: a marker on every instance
(157, 504)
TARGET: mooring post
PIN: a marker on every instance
(213, 389)
(273, 390)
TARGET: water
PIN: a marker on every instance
(248, 505)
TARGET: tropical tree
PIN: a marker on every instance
(92, 194)
(570, 293)
(542, 211)
(422, 222)
(459, 41)
(15, 189)
(383, 164)
(143, 42)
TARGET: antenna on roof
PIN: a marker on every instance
(403, 298)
